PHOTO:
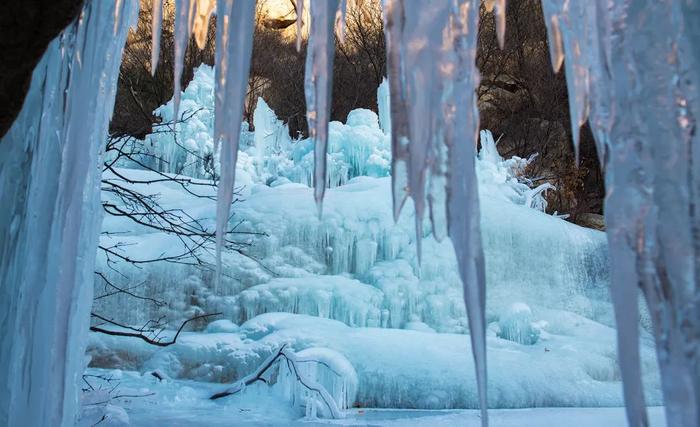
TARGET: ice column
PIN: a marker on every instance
(234, 47)
(634, 65)
(318, 83)
(49, 185)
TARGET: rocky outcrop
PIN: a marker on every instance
(28, 26)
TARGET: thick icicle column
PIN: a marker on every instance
(632, 71)
(49, 226)
(431, 62)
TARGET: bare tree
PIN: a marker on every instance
(145, 210)
(522, 99)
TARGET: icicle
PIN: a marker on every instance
(300, 22)
(232, 70)
(461, 117)
(183, 30)
(117, 12)
(200, 27)
(437, 99)
(393, 30)
(640, 82)
(570, 34)
(340, 17)
(50, 169)
(500, 16)
(417, 99)
(318, 85)
(556, 50)
(156, 26)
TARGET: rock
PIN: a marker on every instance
(590, 220)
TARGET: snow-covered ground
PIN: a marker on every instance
(348, 284)
(185, 403)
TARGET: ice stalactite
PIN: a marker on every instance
(499, 10)
(49, 175)
(416, 99)
(191, 17)
(640, 83)
(431, 53)
(183, 29)
(571, 26)
(318, 84)
(156, 27)
(235, 41)
(340, 17)
(393, 29)
(300, 22)
(461, 121)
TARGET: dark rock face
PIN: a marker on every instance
(27, 27)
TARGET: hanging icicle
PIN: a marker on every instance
(156, 27)
(300, 22)
(236, 20)
(568, 35)
(643, 100)
(499, 11)
(340, 17)
(318, 85)
(183, 30)
(434, 129)
(393, 30)
(461, 121)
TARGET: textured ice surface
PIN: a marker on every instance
(186, 403)
(572, 364)
(49, 190)
(357, 235)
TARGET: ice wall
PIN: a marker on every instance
(49, 186)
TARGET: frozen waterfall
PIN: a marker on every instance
(632, 72)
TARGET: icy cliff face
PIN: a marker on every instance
(49, 186)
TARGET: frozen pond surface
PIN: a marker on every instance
(186, 403)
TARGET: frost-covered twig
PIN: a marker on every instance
(291, 359)
(140, 332)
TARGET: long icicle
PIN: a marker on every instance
(183, 30)
(499, 12)
(237, 20)
(156, 27)
(300, 22)
(462, 125)
(393, 28)
(318, 84)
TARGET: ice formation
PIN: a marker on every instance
(616, 62)
(49, 186)
(356, 267)
(571, 364)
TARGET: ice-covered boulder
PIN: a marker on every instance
(516, 325)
